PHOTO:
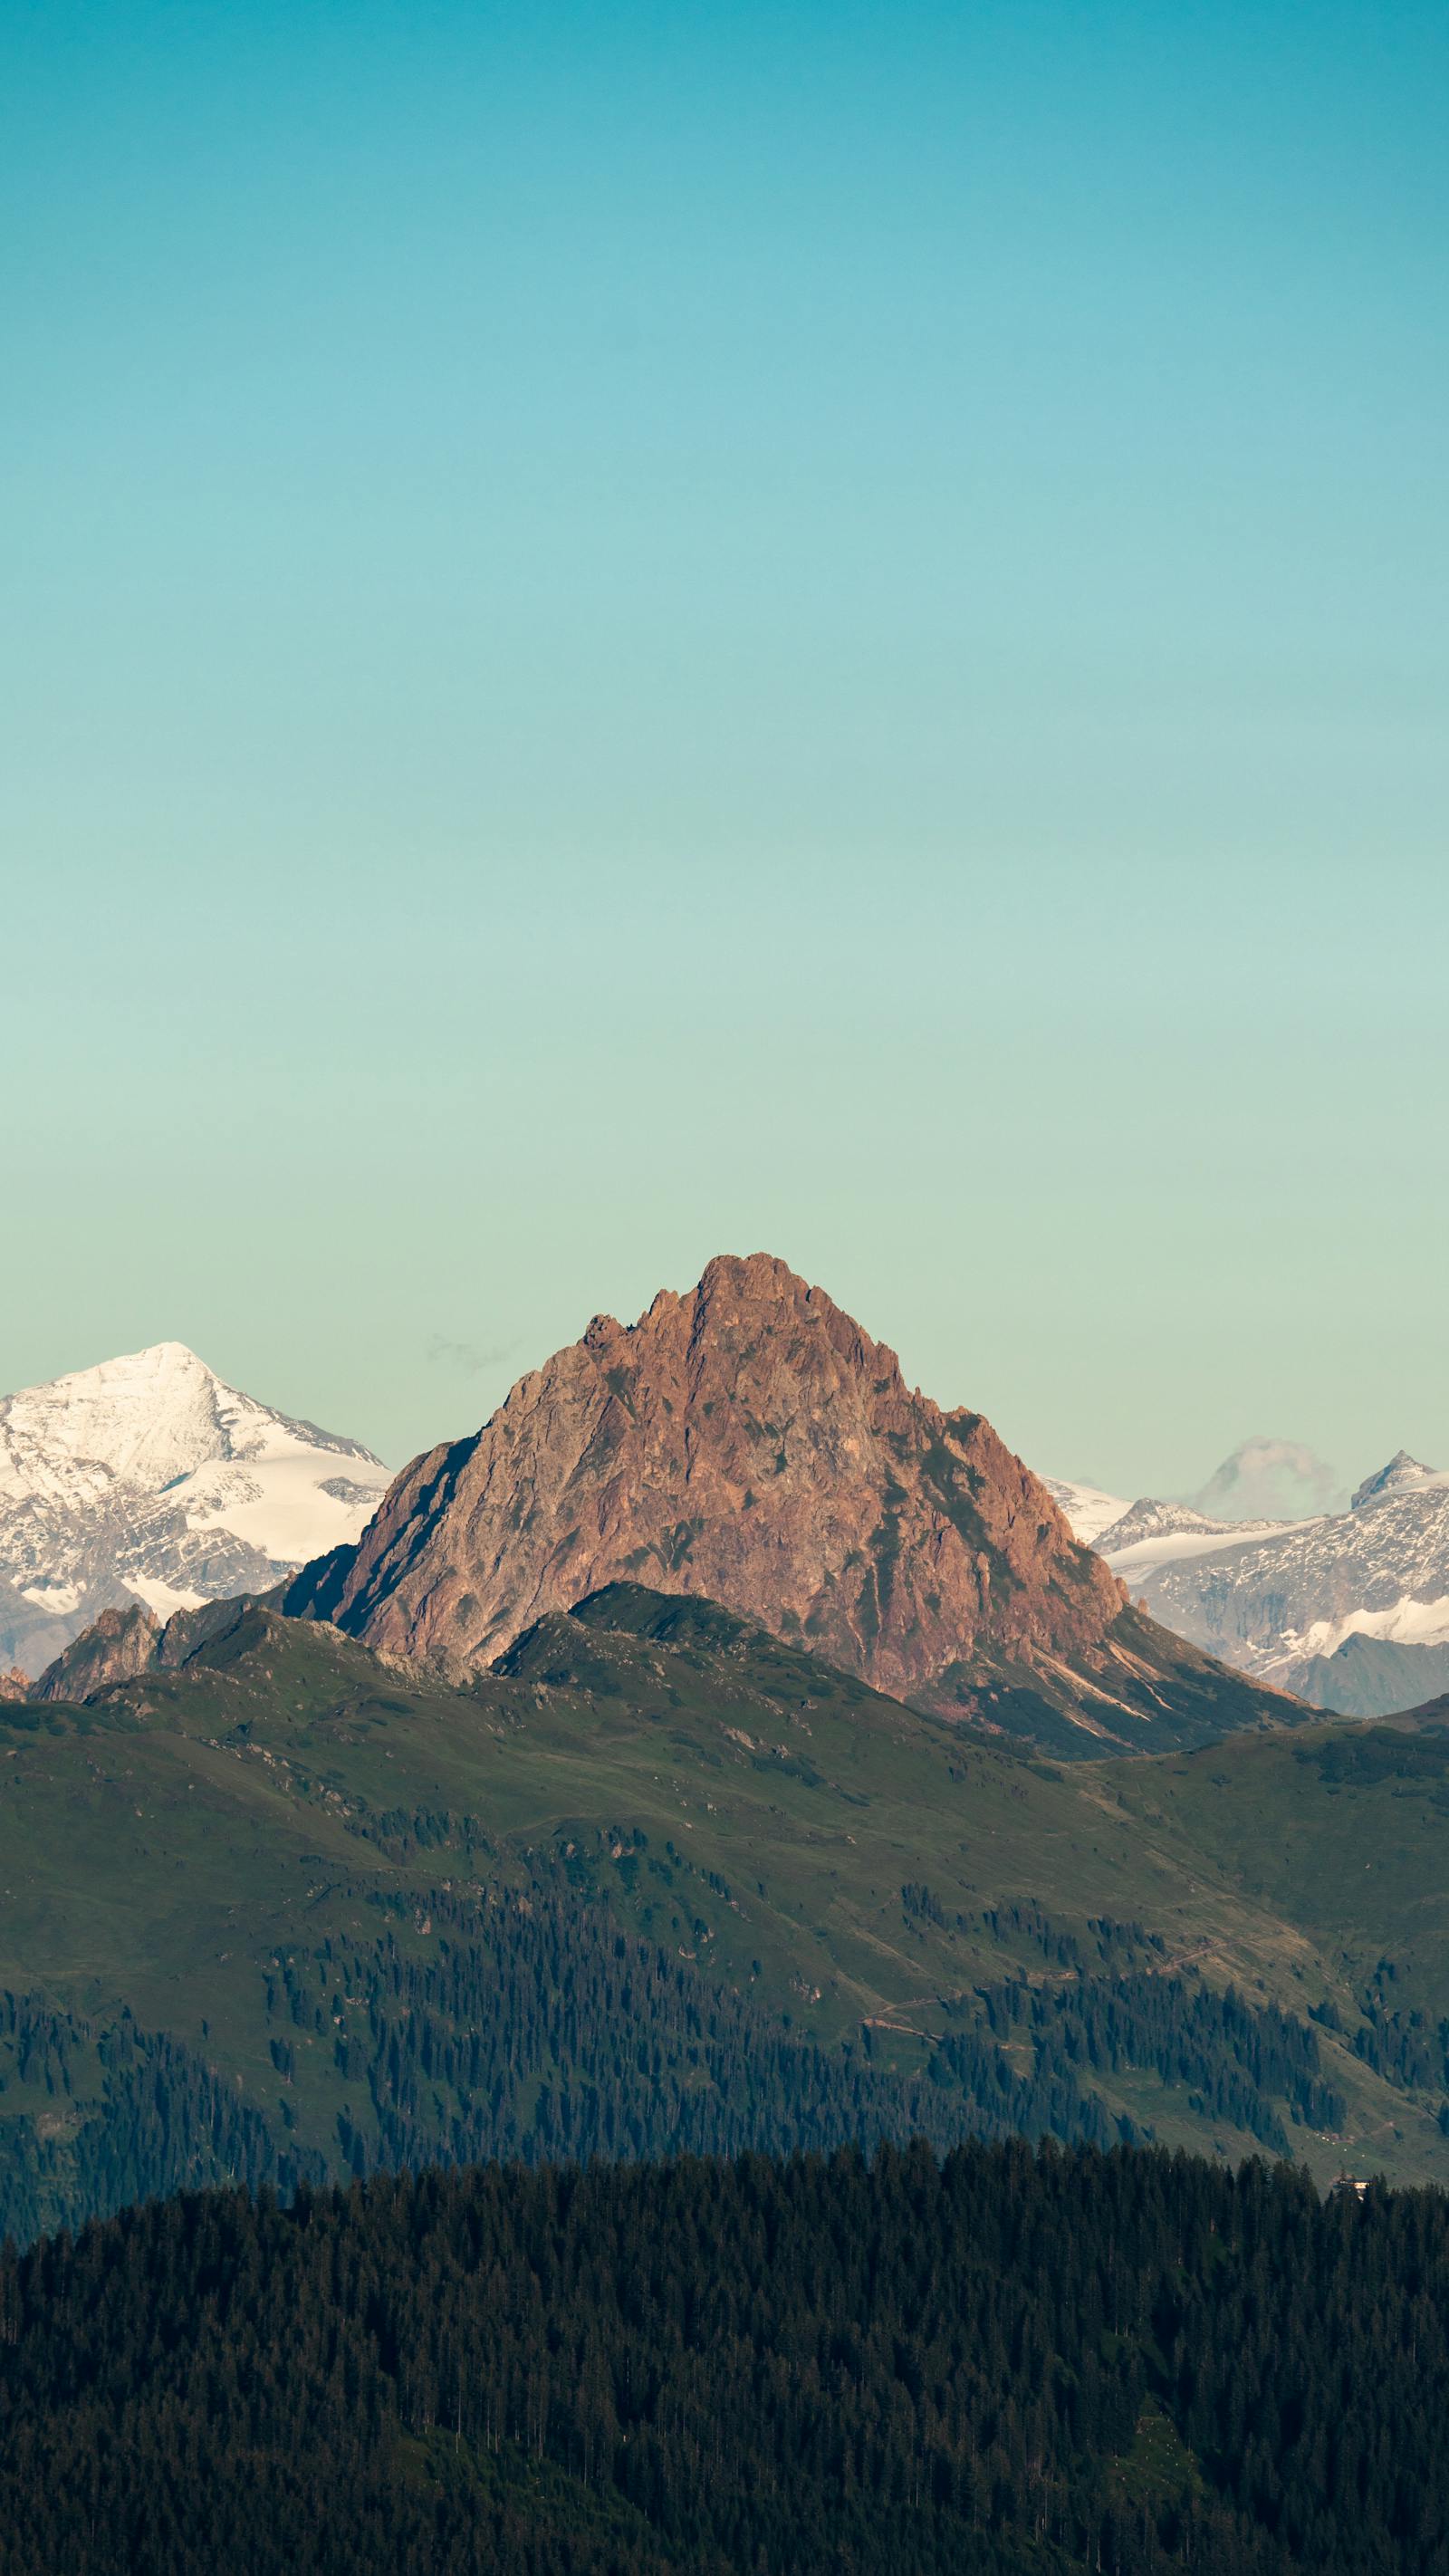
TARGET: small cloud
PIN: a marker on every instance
(465, 1359)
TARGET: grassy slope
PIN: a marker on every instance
(736, 1802)
(1344, 1828)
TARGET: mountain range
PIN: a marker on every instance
(748, 1441)
(149, 1480)
(678, 1760)
(1349, 1610)
(1263, 1483)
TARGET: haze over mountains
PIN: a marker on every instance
(1269, 1479)
(1264, 1481)
(148, 1479)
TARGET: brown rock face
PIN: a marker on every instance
(121, 1644)
(748, 1442)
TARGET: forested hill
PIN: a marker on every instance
(1011, 2365)
(288, 1913)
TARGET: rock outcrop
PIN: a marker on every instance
(115, 1648)
(748, 1442)
(121, 1645)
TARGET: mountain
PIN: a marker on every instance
(1264, 1484)
(1154, 1531)
(115, 1648)
(1269, 1479)
(1370, 1676)
(148, 1480)
(750, 1442)
(1349, 1611)
(1402, 1475)
(1086, 1509)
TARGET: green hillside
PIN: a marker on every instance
(662, 1880)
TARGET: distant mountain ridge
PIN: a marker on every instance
(1402, 1475)
(751, 1443)
(1267, 1478)
(148, 1479)
(1348, 1609)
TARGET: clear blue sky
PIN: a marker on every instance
(633, 631)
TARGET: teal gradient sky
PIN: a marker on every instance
(642, 630)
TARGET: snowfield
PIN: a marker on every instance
(149, 1479)
(1086, 1510)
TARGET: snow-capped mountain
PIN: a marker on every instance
(1403, 1475)
(1153, 1533)
(148, 1479)
(1350, 1609)
(1085, 1508)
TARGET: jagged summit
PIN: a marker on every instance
(143, 1417)
(133, 1415)
(750, 1442)
(1402, 1475)
(147, 1478)
(1156, 1531)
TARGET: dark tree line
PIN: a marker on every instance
(1127, 2364)
(1237, 2059)
(1109, 1943)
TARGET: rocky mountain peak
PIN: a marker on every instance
(748, 1441)
(1402, 1475)
(119, 1645)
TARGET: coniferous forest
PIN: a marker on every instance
(1011, 2360)
(535, 2028)
(489, 2203)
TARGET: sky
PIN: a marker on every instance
(641, 630)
